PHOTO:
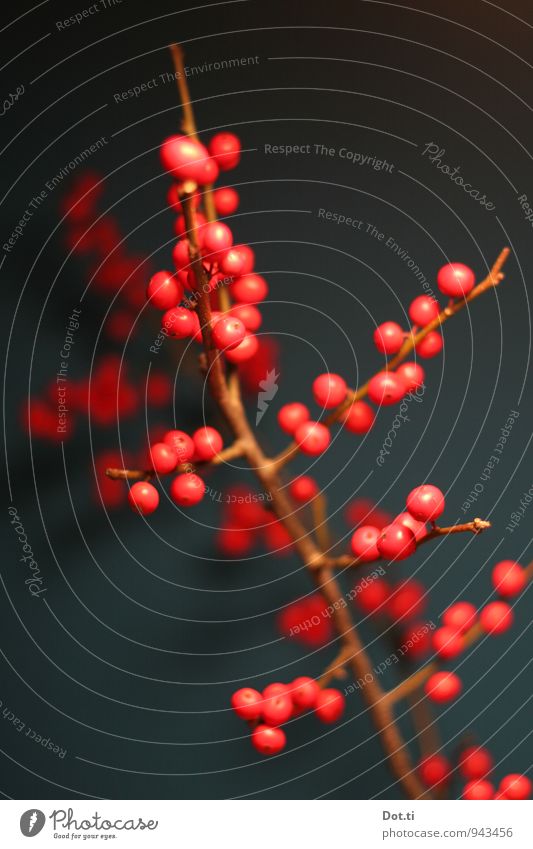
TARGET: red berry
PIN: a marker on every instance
(508, 578)
(425, 503)
(515, 786)
(244, 351)
(277, 708)
(496, 617)
(231, 262)
(226, 201)
(225, 148)
(180, 323)
(303, 489)
(359, 418)
(330, 705)
(443, 687)
(455, 280)
(291, 416)
(475, 762)
(164, 291)
(275, 689)
(198, 227)
(188, 159)
(388, 337)
(304, 692)
(372, 596)
(143, 497)
(396, 542)
(423, 310)
(182, 444)
(247, 703)
(430, 345)
(228, 332)
(435, 770)
(418, 528)
(207, 443)
(312, 437)
(448, 643)
(248, 257)
(164, 458)
(249, 289)
(187, 490)
(460, 616)
(406, 601)
(412, 375)
(181, 254)
(217, 237)
(386, 387)
(249, 315)
(268, 740)
(364, 543)
(329, 390)
(476, 791)
(234, 542)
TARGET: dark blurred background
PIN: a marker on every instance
(128, 661)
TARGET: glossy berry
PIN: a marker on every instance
(268, 740)
(475, 762)
(249, 289)
(359, 418)
(418, 528)
(245, 351)
(430, 345)
(247, 703)
(226, 201)
(277, 708)
(188, 159)
(455, 280)
(225, 148)
(248, 257)
(303, 489)
(275, 689)
(330, 705)
(181, 443)
(304, 692)
(179, 323)
(249, 315)
(388, 337)
(164, 458)
(476, 791)
(460, 616)
(496, 617)
(508, 578)
(372, 596)
(443, 687)
(406, 601)
(425, 503)
(386, 387)
(515, 786)
(216, 237)
(143, 497)
(187, 490)
(291, 416)
(181, 254)
(434, 770)
(412, 374)
(164, 291)
(396, 542)
(448, 643)
(312, 437)
(329, 390)
(231, 262)
(364, 543)
(228, 332)
(423, 310)
(207, 443)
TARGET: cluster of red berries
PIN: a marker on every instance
(496, 617)
(474, 765)
(247, 521)
(399, 539)
(279, 703)
(177, 449)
